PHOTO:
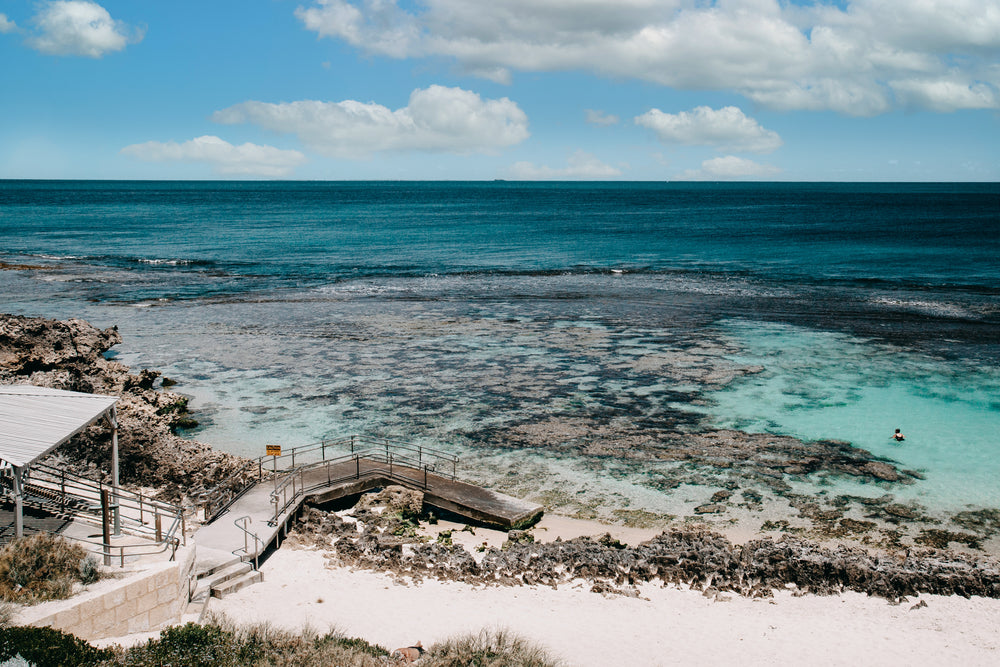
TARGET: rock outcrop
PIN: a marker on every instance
(700, 559)
(71, 355)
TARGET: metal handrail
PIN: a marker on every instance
(217, 499)
(292, 482)
(80, 497)
(122, 551)
(247, 533)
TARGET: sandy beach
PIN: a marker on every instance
(664, 626)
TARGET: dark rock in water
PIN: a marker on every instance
(901, 511)
(882, 471)
(710, 508)
(984, 521)
(721, 496)
(855, 526)
(941, 539)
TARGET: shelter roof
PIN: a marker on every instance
(36, 420)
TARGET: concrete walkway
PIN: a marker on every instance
(220, 540)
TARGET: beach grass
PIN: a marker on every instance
(495, 647)
(43, 567)
(222, 643)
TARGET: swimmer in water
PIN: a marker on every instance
(898, 436)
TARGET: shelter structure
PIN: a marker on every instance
(36, 420)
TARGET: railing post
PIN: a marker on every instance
(106, 525)
(184, 536)
(357, 465)
(62, 488)
(140, 508)
(322, 449)
(293, 457)
(159, 527)
(352, 443)
(420, 456)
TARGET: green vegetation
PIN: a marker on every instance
(43, 567)
(220, 644)
(45, 647)
(488, 648)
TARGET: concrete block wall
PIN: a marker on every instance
(141, 601)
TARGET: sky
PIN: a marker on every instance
(790, 90)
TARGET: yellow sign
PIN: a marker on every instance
(273, 450)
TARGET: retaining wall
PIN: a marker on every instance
(141, 601)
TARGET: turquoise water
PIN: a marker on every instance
(559, 336)
(817, 385)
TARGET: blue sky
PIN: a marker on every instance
(517, 89)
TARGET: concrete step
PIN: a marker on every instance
(236, 583)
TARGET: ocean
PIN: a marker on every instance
(570, 341)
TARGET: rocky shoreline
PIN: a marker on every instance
(73, 355)
(384, 532)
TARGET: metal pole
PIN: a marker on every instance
(18, 500)
(114, 468)
(106, 524)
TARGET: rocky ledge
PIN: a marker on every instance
(71, 355)
(383, 532)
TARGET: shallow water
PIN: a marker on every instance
(557, 337)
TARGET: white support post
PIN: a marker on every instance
(18, 500)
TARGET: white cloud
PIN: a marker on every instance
(729, 168)
(436, 119)
(783, 55)
(945, 95)
(579, 166)
(224, 157)
(79, 28)
(6, 25)
(595, 117)
(727, 129)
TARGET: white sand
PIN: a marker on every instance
(671, 627)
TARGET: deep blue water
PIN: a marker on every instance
(227, 237)
(445, 311)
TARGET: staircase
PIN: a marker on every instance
(219, 581)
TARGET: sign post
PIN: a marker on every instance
(274, 451)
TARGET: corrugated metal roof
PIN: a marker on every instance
(36, 420)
